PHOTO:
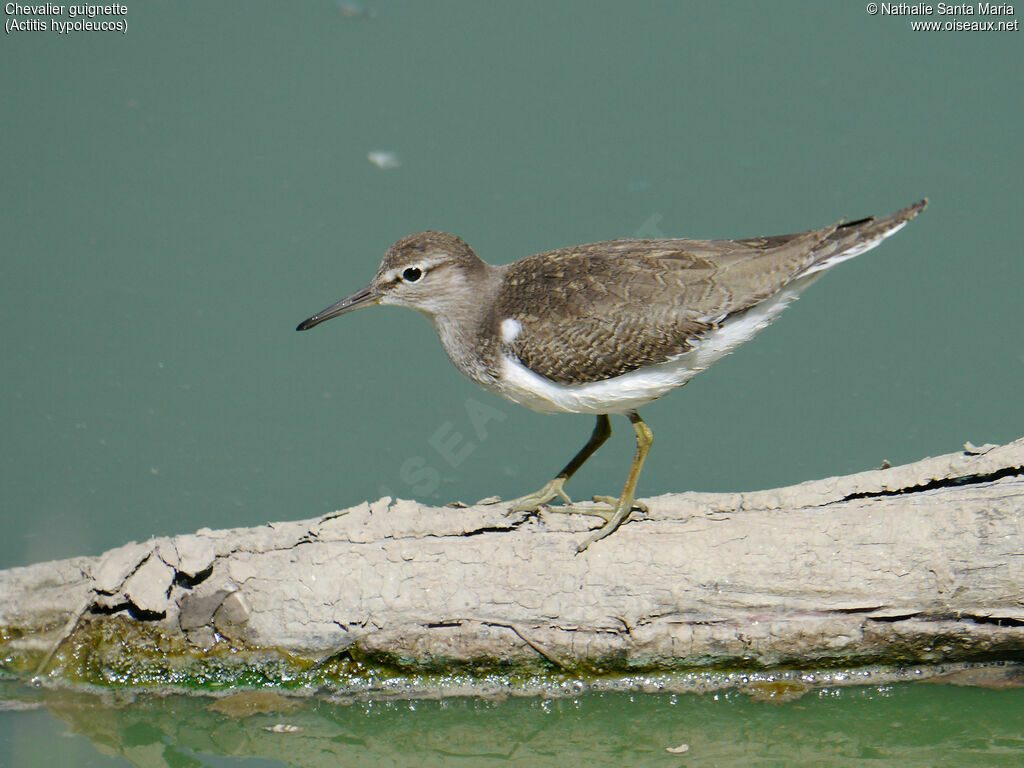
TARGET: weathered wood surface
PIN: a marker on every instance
(911, 564)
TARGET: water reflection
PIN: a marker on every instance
(907, 725)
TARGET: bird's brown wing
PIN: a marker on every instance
(596, 311)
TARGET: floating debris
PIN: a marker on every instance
(282, 728)
(385, 160)
(682, 749)
(353, 10)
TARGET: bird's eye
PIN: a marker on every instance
(412, 274)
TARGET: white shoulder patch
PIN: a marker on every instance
(510, 328)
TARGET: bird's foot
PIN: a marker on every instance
(531, 502)
(610, 509)
(613, 501)
(605, 507)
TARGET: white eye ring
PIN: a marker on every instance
(412, 274)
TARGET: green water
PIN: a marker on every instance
(175, 199)
(902, 725)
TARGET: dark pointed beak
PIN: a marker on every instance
(367, 297)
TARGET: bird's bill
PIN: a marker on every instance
(366, 297)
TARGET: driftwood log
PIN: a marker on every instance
(915, 565)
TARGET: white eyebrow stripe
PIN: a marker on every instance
(429, 261)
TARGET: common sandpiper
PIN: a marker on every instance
(604, 328)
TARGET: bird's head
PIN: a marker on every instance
(429, 272)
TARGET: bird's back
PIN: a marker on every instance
(592, 312)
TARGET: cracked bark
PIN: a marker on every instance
(905, 565)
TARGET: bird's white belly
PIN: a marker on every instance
(632, 390)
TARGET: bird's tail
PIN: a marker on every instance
(853, 238)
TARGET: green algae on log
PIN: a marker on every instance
(900, 566)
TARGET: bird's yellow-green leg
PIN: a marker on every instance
(618, 509)
(533, 501)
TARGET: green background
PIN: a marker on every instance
(176, 199)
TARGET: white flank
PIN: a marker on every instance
(634, 389)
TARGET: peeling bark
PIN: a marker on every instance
(905, 565)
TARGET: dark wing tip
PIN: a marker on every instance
(912, 210)
(906, 214)
(896, 217)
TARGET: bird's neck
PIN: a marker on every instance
(461, 322)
